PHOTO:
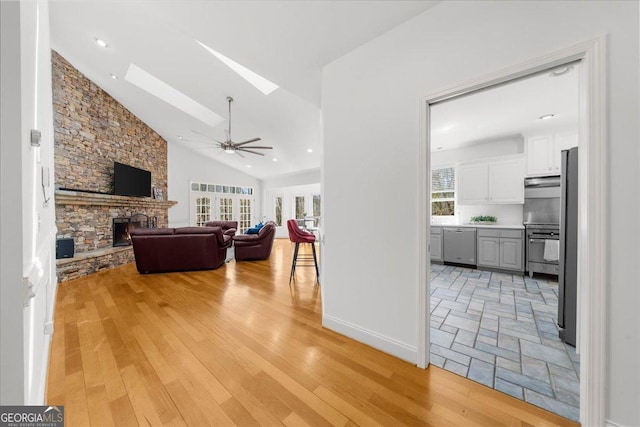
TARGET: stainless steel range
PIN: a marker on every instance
(543, 250)
(541, 217)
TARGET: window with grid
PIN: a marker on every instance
(316, 210)
(226, 209)
(299, 204)
(278, 212)
(203, 210)
(443, 191)
(245, 214)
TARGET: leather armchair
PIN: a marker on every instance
(255, 246)
(228, 227)
(179, 249)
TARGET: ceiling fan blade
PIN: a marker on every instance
(249, 151)
(264, 147)
(247, 142)
(236, 151)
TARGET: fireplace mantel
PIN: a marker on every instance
(67, 197)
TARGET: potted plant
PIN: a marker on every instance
(484, 219)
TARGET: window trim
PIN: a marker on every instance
(454, 199)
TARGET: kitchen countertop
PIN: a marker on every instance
(512, 226)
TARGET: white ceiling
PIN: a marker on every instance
(504, 111)
(286, 42)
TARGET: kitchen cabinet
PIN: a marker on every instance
(501, 248)
(489, 251)
(543, 152)
(436, 243)
(493, 182)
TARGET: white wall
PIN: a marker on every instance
(371, 111)
(11, 339)
(301, 178)
(28, 240)
(185, 165)
(496, 148)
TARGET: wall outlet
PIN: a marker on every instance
(48, 328)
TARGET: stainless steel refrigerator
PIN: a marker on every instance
(568, 277)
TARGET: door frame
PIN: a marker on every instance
(592, 218)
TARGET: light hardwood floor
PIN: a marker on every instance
(239, 346)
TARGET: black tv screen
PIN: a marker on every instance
(130, 181)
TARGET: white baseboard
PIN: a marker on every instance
(610, 424)
(370, 338)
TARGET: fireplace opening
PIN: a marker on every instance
(123, 226)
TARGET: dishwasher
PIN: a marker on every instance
(460, 245)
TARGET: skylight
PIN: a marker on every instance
(168, 94)
(262, 84)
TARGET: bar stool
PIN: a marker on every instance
(298, 236)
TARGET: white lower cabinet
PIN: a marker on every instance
(436, 244)
(501, 248)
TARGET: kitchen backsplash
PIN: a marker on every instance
(506, 214)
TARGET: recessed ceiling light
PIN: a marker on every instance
(275, 160)
(547, 117)
(179, 137)
(114, 77)
(249, 166)
(101, 43)
(309, 150)
(561, 71)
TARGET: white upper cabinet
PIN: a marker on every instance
(543, 152)
(473, 184)
(494, 182)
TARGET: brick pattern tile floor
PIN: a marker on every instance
(500, 330)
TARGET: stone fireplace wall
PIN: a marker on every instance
(92, 131)
(91, 225)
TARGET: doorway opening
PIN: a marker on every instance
(591, 225)
(492, 319)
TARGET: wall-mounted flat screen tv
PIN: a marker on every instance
(130, 181)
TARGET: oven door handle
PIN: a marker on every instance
(539, 240)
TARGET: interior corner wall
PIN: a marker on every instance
(28, 241)
(371, 104)
(185, 166)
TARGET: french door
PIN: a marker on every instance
(223, 207)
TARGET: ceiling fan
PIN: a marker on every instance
(228, 146)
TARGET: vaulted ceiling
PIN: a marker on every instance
(285, 42)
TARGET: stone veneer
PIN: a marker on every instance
(92, 131)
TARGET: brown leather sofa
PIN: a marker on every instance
(255, 246)
(179, 249)
(228, 227)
